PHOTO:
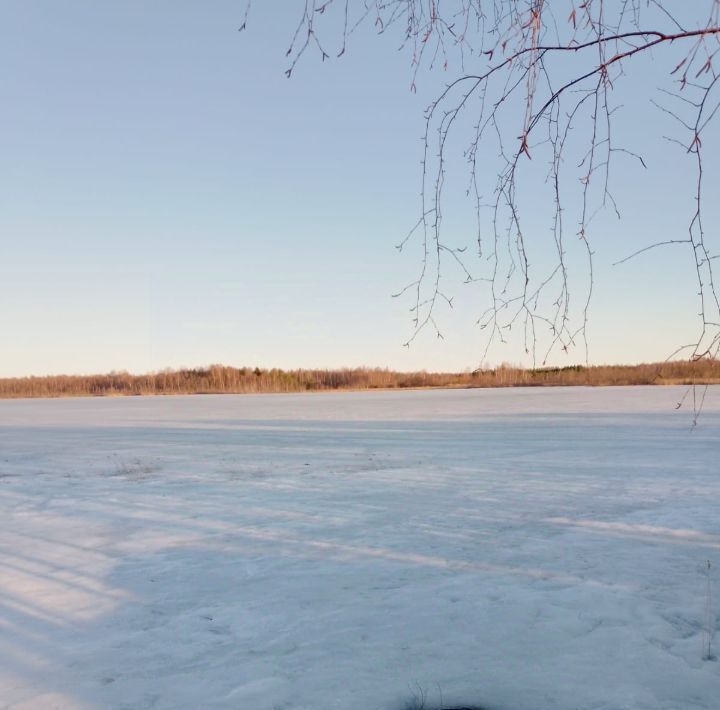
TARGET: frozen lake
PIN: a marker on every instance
(513, 549)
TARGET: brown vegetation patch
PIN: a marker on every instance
(218, 379)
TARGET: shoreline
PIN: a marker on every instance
(710, 382)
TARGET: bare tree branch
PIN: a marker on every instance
(536, 92)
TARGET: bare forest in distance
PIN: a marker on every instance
(218, 379)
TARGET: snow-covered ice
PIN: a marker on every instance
(514, 549)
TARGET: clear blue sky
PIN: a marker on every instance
(169, 198)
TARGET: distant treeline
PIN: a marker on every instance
(218, 379)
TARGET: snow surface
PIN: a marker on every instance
(516, 549)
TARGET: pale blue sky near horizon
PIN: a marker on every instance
(169, 198)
